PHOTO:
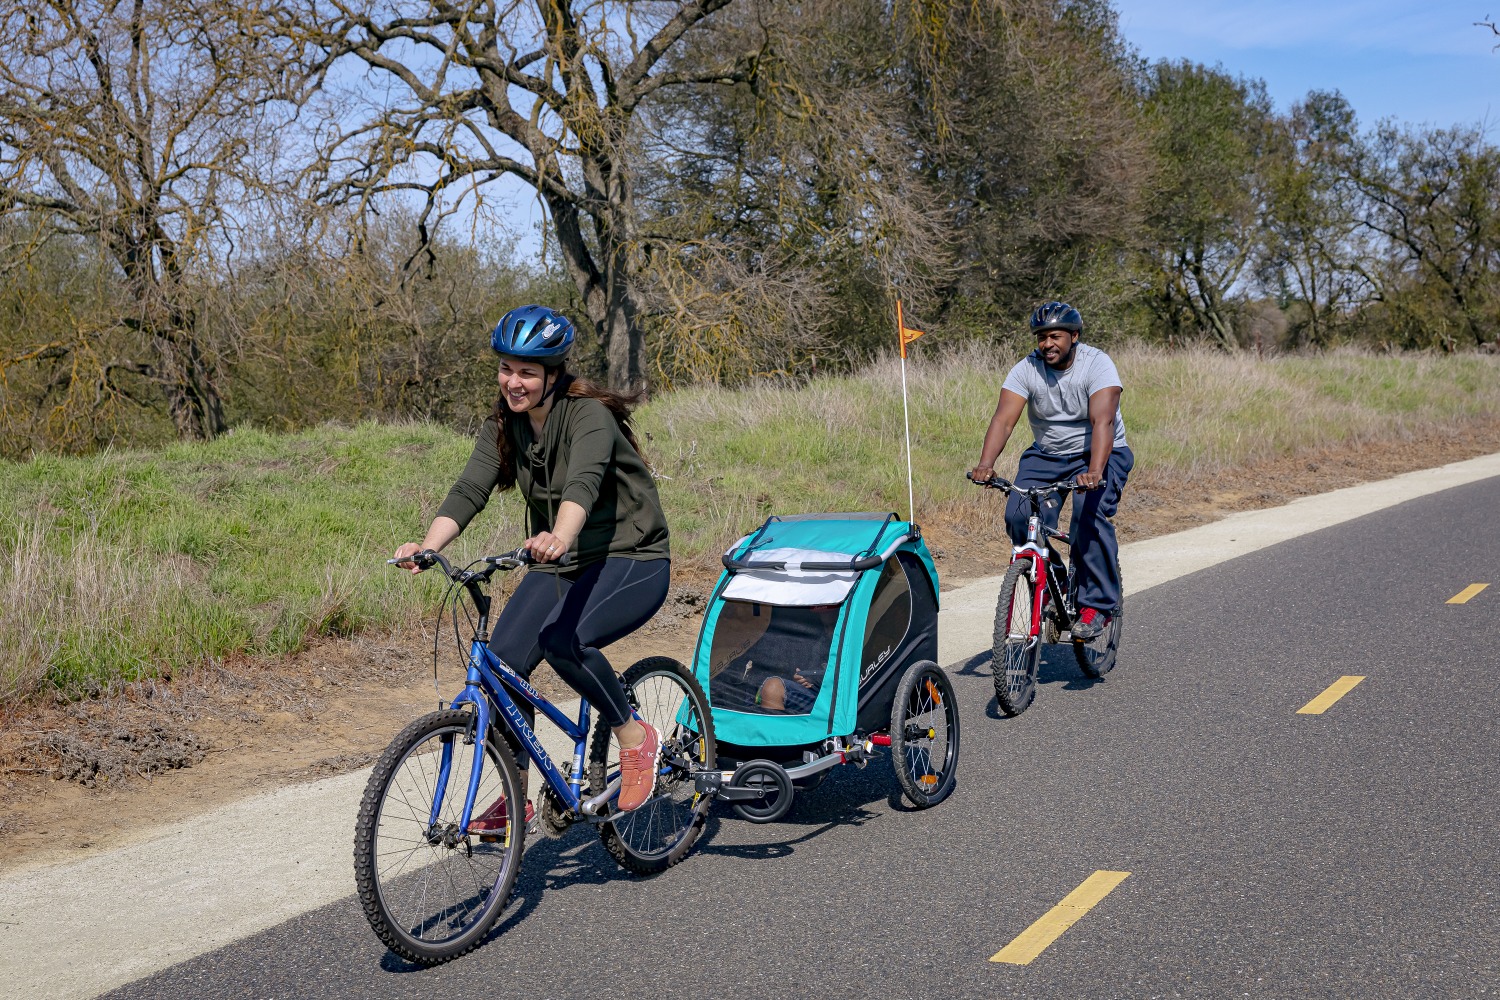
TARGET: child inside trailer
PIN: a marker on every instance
(760, 656)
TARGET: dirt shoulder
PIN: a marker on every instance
(88, 776)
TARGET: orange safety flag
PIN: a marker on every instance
(907, 333)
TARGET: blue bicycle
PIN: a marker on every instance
(430, 887)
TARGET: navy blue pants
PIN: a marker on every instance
(1095, 554)
(567, 619)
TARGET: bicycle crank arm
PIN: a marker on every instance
(599, 803)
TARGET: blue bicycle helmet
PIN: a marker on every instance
(1056, 316)
(535, 333)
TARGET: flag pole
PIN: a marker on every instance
(911, 503)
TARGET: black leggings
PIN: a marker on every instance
(567, 620)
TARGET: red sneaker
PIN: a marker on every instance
(638, 771)
(496, 818)
(1090, 625)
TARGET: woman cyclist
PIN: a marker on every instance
(567, 445)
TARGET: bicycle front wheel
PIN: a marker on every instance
(660, 833)
(1017, 652)
(430, 894)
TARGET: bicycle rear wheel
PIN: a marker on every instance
(1096, 657)
(430, 894)
(660, 833)
(1017, 653)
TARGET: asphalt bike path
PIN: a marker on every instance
(1267, 851)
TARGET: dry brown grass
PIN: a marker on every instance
(63, 606)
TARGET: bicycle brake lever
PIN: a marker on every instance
(415, 559)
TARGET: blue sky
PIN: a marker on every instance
(1414, 60)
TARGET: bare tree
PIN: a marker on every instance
(781, 213)
(138, 125)
(549, 92)
(1494, 29)
(1315, 256)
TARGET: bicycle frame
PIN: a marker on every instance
(1050, 575)
(485, 688)
(1038, 553)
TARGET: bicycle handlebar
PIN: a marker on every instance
(427, 558)
(1006, 486)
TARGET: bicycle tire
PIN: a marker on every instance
(1096, 657)
(430, 895)
(660, 833)
(1017, 654)
(924, 734)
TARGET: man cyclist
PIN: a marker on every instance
(1071, 394)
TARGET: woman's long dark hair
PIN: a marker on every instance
(574, 387)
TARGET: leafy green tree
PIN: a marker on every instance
(1210, 132)
(1315, 256)
(977, 157)
(1433, 197)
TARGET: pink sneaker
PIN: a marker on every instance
(494, 820)
(638, 771)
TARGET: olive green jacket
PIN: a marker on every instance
(583, 457)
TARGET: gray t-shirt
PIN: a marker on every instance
(1057, 403)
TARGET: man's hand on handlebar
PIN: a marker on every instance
(981, 474)
(1090, 480)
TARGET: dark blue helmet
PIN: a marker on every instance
(535, 333)
(1056, 316)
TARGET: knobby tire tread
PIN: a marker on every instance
(367, 820)
(999, 642)
(599, 758)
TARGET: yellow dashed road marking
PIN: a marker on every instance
(1034, 940)
(1324, 701)
(1463, 596)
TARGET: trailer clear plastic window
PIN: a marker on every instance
(768, 659)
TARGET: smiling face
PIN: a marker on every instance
(1056, 346)
(522, 383)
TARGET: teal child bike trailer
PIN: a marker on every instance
(819, 647)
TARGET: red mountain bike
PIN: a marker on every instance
(1038, 604)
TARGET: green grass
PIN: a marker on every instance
(116, 565)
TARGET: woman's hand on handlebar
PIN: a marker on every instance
(403, 556)
(548, 547)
